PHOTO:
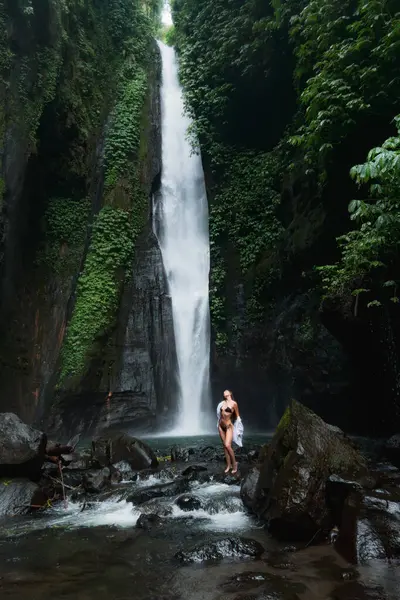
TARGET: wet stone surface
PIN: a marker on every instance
(160, 545)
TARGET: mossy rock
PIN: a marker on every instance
(291, 491)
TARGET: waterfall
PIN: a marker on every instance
(181, 226)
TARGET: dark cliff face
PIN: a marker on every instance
(136, 362)
(279, 138)
(69, 155)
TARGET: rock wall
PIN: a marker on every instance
(96, 165)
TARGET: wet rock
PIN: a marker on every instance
(245, 581)
(226, 478)
(188, 503)
(370, 528)
(122, 471)
(392, 449)
(210, 454)
(193, 471)
(265, 586)
(291, 490)
(252, 456)
(78, 460)
(17, 497)
(72, 478)
(337, 491)
(22, 448)
(156, 506)
(248, 488)
(226, 548)
(116, 446)
(355, 590)
(148, 521)
(179, 454)
(179, 486)
(94, 481)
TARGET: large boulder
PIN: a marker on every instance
(248, 489)
(291, 488)
(117, 446)
(370, 526)
(19, 496)
(22, 448)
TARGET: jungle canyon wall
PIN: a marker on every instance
(288, 96)
(84, 308)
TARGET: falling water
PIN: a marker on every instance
(181, 225)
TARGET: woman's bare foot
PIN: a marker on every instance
(235, 469)
(228, 468)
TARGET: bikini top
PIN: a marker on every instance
(227, 409)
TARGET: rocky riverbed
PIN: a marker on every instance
(309, 517)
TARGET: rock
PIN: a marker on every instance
(94, 480)
(122, 471)
(226, 548)
(291, 490)
(193, 471)
(392, 449)
(248, 488)
(252, 455)
(355, 590)
(337, 491)
(265, 585)
(148, 521)
(188, 503)
(211, 454)
(117, 446)
(19, 496)
(179, 454)
(22, 448)
(370, 527)
(156, 506)
(179, 486)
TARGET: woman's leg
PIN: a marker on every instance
(227, 457)
(228, 446)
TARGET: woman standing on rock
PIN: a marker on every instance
(230, 428)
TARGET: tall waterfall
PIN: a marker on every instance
(181, 226)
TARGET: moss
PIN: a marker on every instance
(285, 419)
(97, 292)
(65, 223)
(115, 230)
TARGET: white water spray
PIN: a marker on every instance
(181, 226)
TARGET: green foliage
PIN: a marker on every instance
(372, 248)
(168, 35)
(110, 253)
(123, 138)
(243, 220)
(65, 234)
(342, 58)
(347, 56)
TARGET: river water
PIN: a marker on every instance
(100, 554)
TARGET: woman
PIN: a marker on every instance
(228, 416)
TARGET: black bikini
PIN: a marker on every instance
(229, 410)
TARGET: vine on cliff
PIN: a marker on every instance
(110, 253)
(123, 139)
(65, 225)
(116, 227)
(243, 220)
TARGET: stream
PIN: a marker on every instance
(101, 553)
